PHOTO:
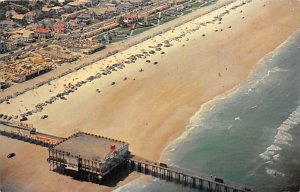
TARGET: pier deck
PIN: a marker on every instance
(89, 146)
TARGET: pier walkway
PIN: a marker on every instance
(183, 176)
(25, 132)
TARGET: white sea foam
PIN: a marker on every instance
(254, 107)
(270, 162)
(283, 137)
(237, 118)
(274, 148)
(274, 172)
(264, 156)
(276, 157)
(212, 107)
(263, 78)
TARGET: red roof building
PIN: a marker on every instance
(130, 19)
(42, 30)
(131, 16)
(59, 27)
(43, 33)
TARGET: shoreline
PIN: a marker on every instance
(208, 106)
(152, 110)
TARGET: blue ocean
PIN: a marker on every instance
(251, 136)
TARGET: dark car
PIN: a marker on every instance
(219, 180)
(11, 155)
(163, 165)
(23, 118)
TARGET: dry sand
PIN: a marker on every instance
(153, 109)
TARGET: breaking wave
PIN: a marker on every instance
(282, 138)
(264, 78)
(274, 172)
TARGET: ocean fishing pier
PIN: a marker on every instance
(92, 158)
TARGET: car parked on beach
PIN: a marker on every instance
(11, 155)
(163, 165)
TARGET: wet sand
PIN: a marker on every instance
(152, 107)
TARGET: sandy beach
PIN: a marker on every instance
(150, 102)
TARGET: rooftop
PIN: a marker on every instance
(89, 146)
(131, 16)
(42, 30)
(59, 26)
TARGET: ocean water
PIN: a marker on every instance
(250, 137)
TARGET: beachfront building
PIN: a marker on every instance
(27, 35)
(18, 18)
(26, 68)
(42, 33)
(59, 28)
(130, 19)
(87, 156)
